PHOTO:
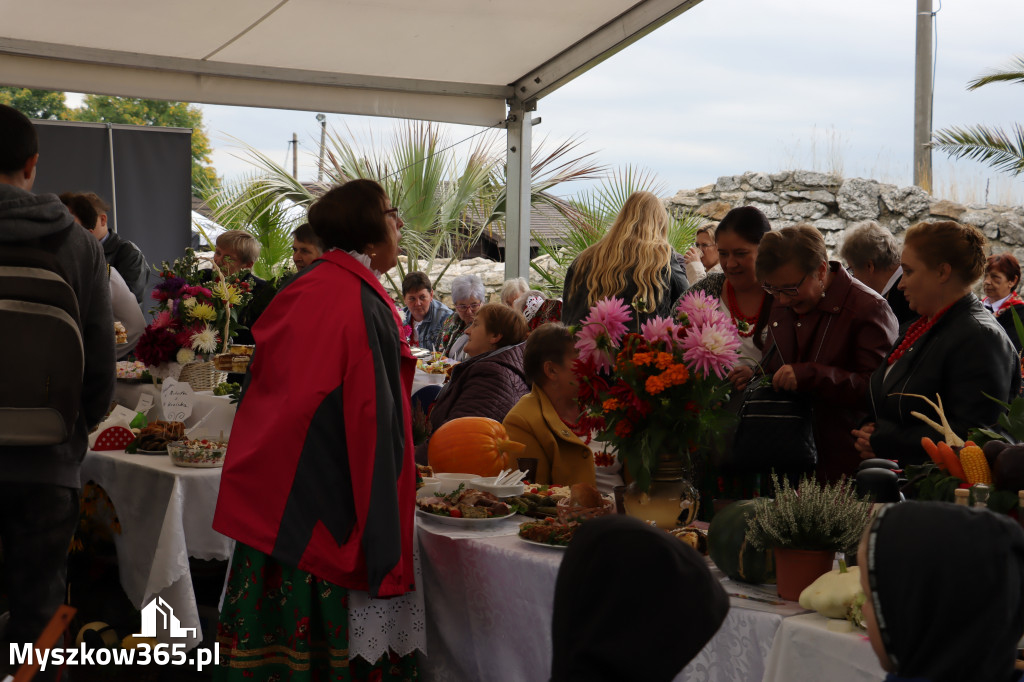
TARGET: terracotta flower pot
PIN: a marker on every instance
(795, 569)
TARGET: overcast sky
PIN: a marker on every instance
(738, 85)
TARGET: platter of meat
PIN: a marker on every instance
(548, 533)
(464, 507)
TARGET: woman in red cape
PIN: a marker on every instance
(319, 482)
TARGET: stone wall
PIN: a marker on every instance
(828, 202)
(831, 204)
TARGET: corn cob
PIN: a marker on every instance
(975, 465)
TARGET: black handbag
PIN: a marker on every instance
(775, 431)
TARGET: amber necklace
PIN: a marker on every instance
(734, 309)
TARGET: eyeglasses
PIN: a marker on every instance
(788, 291)
(472, 306)
(704, 246)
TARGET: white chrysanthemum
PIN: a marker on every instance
(205, 341)
(189, 301)
(185, 356)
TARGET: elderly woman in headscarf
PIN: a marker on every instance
(468, 295)
(603, 630)
(908, 565)
(538, 309)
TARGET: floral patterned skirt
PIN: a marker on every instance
(281, 623)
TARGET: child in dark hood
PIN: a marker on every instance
(945, 592)
(631, 603)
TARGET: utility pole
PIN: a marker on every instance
(323, 139)
(295, 156)
(923, 97)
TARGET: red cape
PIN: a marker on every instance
(319, 472)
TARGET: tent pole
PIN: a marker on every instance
(113, 180)
(517, 197)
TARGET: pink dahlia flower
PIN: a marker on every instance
(712, 348)
(659, 329)
(697, 307)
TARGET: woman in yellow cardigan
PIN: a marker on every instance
(541, 419)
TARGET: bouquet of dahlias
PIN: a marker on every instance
(659, 391)
(196, 313)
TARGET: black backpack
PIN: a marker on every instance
(42, 358)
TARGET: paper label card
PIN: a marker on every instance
(145, 402)
(176, 399)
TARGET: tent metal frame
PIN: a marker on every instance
(29, 63)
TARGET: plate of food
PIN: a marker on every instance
(131, 371)
(154, 437)
(462, 522)
(548, 534)
(464, 507)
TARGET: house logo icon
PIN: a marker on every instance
(158, 614)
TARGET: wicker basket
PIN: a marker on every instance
(202, 376)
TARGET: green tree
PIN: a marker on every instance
(1002, 150)
(151, 112)
(35, 103)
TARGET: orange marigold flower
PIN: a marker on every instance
(641, 359)
(663, 361)
(676, 375)
(655, 384)
(611, 404)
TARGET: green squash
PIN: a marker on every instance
(729, 549)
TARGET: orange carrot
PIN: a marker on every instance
(933, 452)
(952, 461)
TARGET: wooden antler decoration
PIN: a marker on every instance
(951, 438)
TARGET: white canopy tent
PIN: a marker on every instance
(477, 62)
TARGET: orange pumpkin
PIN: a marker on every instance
(472, 445)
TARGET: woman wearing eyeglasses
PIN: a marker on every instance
(632, 261)
(468, 295)
(317, 489)
(701, 259)
(829, 333)
(955, 349)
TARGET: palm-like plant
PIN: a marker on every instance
(436, 192)
(247, 205)
(446, 199)
(591, 213)
(1002, 150)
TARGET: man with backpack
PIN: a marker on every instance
(56, 378)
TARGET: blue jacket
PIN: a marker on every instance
(430, 329)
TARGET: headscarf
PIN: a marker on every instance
(947, 586)
(631, 603)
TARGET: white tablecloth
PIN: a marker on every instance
(166, 515)
(489, 605)
(805, 649)
(211, 414)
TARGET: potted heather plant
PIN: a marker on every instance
(806, 526)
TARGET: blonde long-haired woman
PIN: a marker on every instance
(633, 261)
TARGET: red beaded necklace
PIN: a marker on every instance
(915, 331)
(734, 309)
